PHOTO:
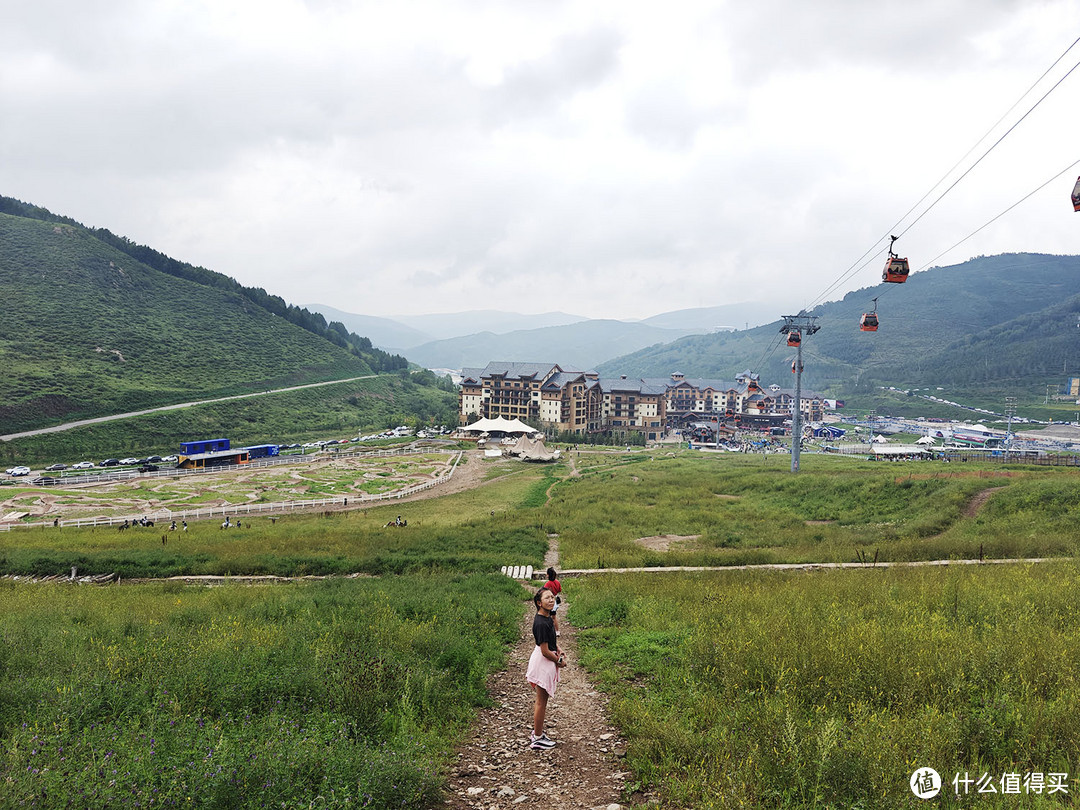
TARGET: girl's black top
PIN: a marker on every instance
(544, 630)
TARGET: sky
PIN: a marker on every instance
(607, 159)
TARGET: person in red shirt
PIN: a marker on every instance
(555, 587)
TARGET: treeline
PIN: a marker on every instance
(313, 322)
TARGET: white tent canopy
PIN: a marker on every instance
(500, 425)
(879, 439)
(925, 440)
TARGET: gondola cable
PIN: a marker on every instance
(870, 253)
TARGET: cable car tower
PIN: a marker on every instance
(802, 325)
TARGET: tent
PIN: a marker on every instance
(500, 425)
(528, 449)
(925, 440)
(879, 439)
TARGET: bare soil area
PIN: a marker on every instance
(663, 542)
(341, 476)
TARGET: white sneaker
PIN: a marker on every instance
(543, 742)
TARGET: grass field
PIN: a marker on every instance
(478, 530)
(338, 694)
(829, 689)
(735, 689)
(751, 509)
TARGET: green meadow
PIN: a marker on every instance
(734, 688)
(346, 693)
(745, 509)
(829, 689)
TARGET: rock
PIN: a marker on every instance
(474, 791)
(605, 736)
(505, 792)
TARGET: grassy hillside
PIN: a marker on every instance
(90, 331)
(990, 319)
(333, 411)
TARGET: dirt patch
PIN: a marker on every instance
(818, 522)
(979, 500)
(662, 542)
(325, 478)
(728, 497)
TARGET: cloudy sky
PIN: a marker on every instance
(609, 159)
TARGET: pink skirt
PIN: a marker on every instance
(542, 671)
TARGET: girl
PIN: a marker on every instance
(555, 587)
(544, 666)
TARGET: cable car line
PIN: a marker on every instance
(991, 129)
(991, 149)
(1003, 213)
(863, 260)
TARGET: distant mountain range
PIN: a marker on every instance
(96, 324)
(993, 320)
(456, 340)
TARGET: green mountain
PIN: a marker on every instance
(989, 321)
(88, 329)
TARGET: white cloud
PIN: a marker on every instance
(610, 158)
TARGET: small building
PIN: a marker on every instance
(203, 446)
(224, 458)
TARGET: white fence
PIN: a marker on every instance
(282, 507)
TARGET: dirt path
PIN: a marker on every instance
(497, 769)
(980, 499)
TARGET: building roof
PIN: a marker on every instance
(519, 371)
(561, 378)
(638, 386)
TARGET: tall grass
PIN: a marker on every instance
(341, 694)
(753, 510)
(830, 689)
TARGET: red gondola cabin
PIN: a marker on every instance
(896, 270)
(1076, 195)
(794, 338)
(868, 322)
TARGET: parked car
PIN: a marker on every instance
(16, 471)
(153, 459)
(130, 460)
(170, 459)
(83, 465)
(109, 462)
(44, 481)
(148, 468)
(56, 468)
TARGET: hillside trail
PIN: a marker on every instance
(497, 769)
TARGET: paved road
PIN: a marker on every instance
(81, 422)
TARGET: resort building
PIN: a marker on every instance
(557, 399)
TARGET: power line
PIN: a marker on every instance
(874, 250)
(1003, 213)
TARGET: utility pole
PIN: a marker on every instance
(796, 327)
